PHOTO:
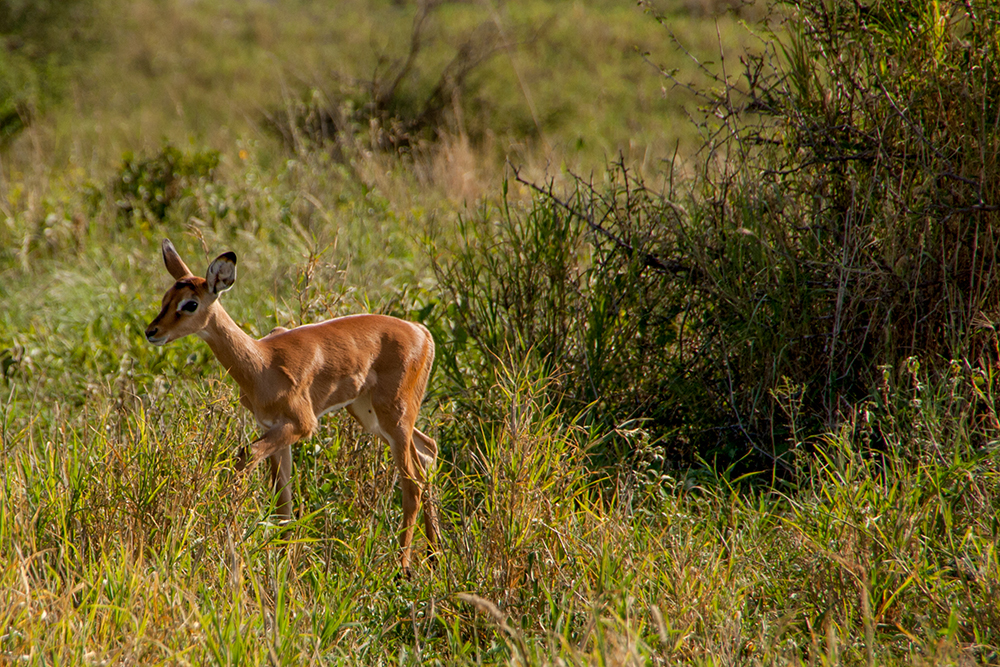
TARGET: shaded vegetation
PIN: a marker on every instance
(844, 222)
(37, 41)
(147, 187)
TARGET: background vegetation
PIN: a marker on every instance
(712, 287)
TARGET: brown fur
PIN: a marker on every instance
(374, 365)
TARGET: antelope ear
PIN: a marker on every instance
(175, 265)
(221, 273)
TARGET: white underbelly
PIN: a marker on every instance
(334, 408)
(362, 409)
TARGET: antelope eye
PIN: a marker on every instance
(189, 306)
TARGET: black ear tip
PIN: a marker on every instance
(231, 256)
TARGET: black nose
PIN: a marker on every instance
(151, 333)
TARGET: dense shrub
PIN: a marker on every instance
(587, 287)
(862, 191)
(844, 223)
(146, 187)
(854, 218)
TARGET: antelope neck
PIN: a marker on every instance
(242, 356)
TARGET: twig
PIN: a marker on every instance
(649, 260)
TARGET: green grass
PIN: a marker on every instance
(209, 72)
(129, 542)
(127, 538)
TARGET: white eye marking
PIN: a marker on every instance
(188, 306)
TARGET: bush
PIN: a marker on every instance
(412, 96)
(587, 288)
(146, 188)
(844, 227)
(853, 221)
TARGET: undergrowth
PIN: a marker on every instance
(128, 542)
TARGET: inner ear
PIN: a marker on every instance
(221, 273)
(175, 265)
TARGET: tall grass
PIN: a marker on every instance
(128, 541)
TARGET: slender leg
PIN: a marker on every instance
(401, 446)
(426, 453)
(275, 446)
(411, 504)
(281, 475)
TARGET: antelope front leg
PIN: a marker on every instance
(281, 475)
(276, 446)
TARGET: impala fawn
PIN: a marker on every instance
(373, 365)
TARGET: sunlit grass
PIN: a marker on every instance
(128, 541)
(571, 88)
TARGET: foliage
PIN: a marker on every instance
(586, 288)
(857, 200)
(845, 220)
(855, 215)
(146, 188)
(37, 40)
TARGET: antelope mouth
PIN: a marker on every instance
(157, 340)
